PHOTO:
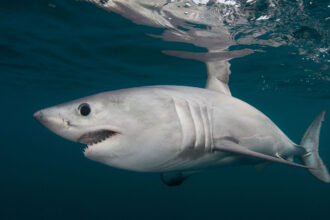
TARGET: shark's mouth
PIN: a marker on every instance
(96, 137)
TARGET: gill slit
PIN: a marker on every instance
(207, 133)
(178, 113)
(195, 123)
(193, 117)
(186, 122)
(209, 116)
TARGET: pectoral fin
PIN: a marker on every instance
(231, 147)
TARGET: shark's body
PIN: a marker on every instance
(189, 121)
(177, 130)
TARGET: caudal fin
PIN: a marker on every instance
(311, 158)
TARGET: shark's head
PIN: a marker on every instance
(130, 129)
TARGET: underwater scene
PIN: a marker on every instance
(272, 54)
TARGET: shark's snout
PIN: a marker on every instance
(43, 118)
(38, 115)
(52, 119)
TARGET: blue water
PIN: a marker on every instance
(55, 51)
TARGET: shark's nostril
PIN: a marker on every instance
(38, 115)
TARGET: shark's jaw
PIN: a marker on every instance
(96, 137)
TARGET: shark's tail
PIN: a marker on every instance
(311, 157)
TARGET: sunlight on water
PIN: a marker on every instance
(219, 24)
(230, 29)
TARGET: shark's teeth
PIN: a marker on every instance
(96, 137)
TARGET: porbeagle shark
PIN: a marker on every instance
(178, 131)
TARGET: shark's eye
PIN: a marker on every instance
(84, 109)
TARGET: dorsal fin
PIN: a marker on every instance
(218, 76)
(217, 64)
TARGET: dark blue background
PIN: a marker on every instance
(50, 55)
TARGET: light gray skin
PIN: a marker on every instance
(177, 131)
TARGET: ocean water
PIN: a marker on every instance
(56, 51)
